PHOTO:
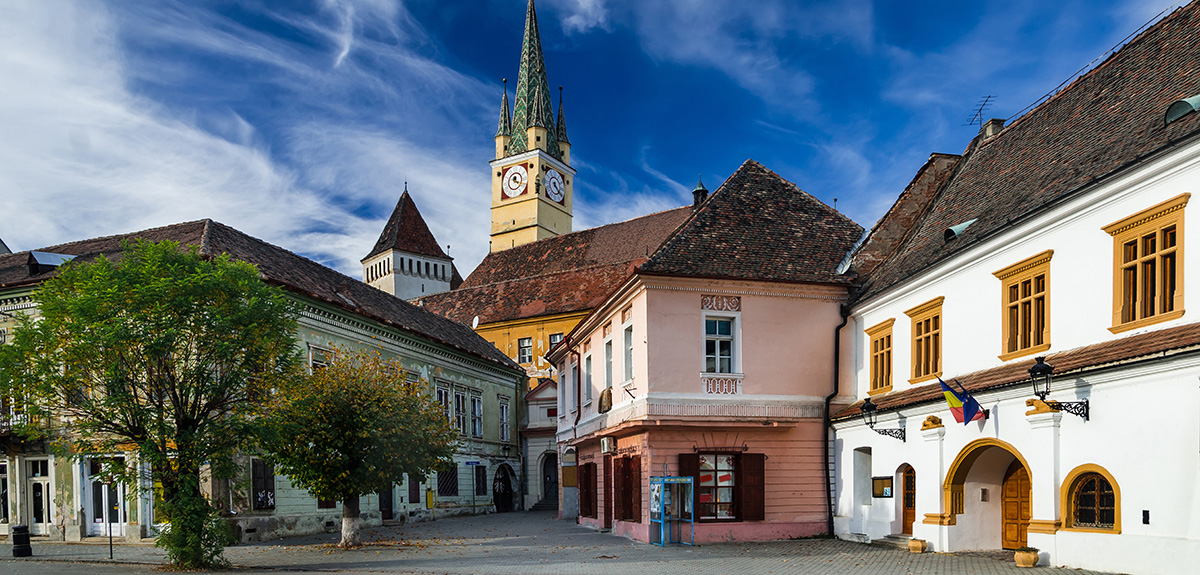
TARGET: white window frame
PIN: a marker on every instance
(608, 362)
(460, 411)
(505, 424)
(313, 352)
(527, 356)
(735, 330)
(562, 391)
(627, 334)
(571, 387)
(476, 415)
(446, 400)
(587, 379)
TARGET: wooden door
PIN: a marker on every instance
(386, 508)
(1016, 506)
(608, 492)
(910, 500)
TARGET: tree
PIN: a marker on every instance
(355, 427)
(164, 352)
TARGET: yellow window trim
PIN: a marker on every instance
(1170, 212)
(874, 333)
(1067, 502)
(1035, 265)
(918, 314)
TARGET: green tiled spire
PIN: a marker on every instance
(562, 120)
(505, 127)
(532, 106)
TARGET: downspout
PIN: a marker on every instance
(578, 401)
(837, 348)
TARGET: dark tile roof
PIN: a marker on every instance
(569, 273)
(281, 267)
(407, 231)
(1151, 345)
(1103, 122)
(759, 226)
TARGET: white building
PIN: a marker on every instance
(1060, 235)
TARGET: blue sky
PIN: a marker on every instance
(299, 122)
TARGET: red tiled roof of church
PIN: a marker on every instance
(407, 231)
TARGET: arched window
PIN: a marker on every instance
(1091, 500)
(1093, 503)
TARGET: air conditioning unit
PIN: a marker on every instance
(607, 445)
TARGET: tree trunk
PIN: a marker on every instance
(351, 531)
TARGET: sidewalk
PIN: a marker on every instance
(535, 543)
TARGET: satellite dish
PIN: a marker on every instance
(475, 323)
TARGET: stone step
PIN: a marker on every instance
(897, 541)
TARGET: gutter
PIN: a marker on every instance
(828, 428)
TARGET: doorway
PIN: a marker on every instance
(386, 503)
(1015, 506)
(909, 513)
(502, 488)
(40, 498)
(550, 476)
(105, 499)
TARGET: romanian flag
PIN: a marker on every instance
(963, 406)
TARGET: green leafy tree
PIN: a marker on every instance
(163, 352)
(355, 427)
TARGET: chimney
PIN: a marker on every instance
(699, 194)
(991, 128)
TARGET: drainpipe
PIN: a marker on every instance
(837, 348)
(578, 400)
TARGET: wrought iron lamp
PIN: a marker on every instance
(870, 416)
(507, 448)
(1042, 374)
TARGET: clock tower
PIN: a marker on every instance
(532, 177)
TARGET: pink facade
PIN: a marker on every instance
(728, 385)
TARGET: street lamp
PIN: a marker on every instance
(1041, 375)
(507, 448)
(870, 417)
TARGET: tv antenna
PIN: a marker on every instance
(977, 118)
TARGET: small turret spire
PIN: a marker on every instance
(699, 193)
(505, 127)
(562, 120)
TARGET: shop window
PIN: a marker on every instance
(728, 486)
(448, 483)
(262, 479)
(1025, 306)
(1148, 265)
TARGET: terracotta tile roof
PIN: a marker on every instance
(1154, 344)
(569, 273)
(407, 231)
(281, 267)
(1103, 122)
(759, 226)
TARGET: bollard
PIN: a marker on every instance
(20, 541)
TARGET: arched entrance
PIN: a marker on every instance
(908, 504)
(989, 485)
(503, 488)
(550, 477)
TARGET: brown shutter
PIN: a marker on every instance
(689, 466)
(753, 474)
(618, 483)
(608, 491)
(635, 488)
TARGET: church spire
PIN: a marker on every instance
(505, 127)
(532, 107)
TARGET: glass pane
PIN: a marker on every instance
(1129, 252)
(114, 511)
(1168, 237)
(1148, 288)
(725, 494)
(97, 502)
(1168, 282)
(1149, 244)
(710, 364)
(1026, 288)
(724, 327)
(726, 365)
(710, 347)
(1013, 294)
(710, 326)
(706, 462)
(39, 503)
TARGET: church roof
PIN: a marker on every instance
(1104, 122)
(281, 267)
(562, 120)
(532, 106)
(759, 226)
(569, 273)
(407, 231)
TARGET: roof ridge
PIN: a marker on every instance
(533, 276)
(115, 236)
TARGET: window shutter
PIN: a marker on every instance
(752, 481)
(689, 466)
(635, 488)
(618, 487)
(256, 482)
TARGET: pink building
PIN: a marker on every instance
(713, 360)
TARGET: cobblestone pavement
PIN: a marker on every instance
(526, 544)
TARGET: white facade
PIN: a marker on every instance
(407, 275)
(1142, 431)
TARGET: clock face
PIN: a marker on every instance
(515, 180)
(554, 185)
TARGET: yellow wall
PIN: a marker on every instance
(504, 336)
